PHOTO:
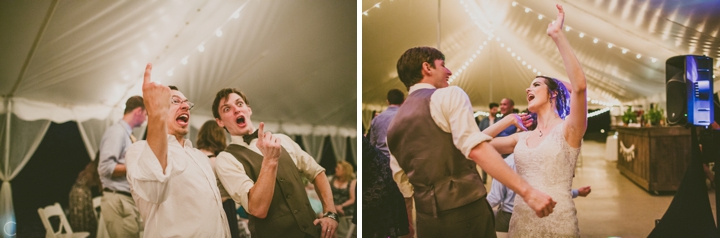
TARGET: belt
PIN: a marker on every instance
(117, 192)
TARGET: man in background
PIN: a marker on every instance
(118, 208)
(379, 125)
(490, 119)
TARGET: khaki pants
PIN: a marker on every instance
(121, 215)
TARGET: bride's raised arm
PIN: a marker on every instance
(576, 121)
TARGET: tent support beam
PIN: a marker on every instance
(39, 36)
(438, 25)
(8, 113)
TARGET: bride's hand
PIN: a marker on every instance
(540, 202)
(521, 121)
(555, 27)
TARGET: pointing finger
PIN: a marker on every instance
(148, 70)
(261, 130)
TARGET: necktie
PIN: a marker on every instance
(249, 138)
(132, 138)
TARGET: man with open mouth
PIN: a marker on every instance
(263, 172)
(173, 183)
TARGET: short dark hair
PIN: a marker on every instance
(224, 94)
(211, 137)
(173, 88)
(409, 66)
(395, 96)
(512, 103)
(132, 103)
(493, 104)
(562, 100)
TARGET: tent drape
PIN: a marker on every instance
(353, 146)
(339, 145)
(314, 145)
(26, 136)
(367, 116)
(92, 131)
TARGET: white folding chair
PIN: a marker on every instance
(101, 230)
(56, 210)
(96, 205)
(351, 230)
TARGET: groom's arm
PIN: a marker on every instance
(489, 160)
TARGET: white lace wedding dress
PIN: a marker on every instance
(549, 168)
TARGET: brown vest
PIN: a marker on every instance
(442, 177)
(290, 213)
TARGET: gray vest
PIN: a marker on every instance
(442, 177)
(290, 213)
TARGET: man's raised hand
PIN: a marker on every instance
(155, 95)
(268, 144)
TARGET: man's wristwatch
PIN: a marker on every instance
(331, 215)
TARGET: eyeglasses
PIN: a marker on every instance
(177, 100)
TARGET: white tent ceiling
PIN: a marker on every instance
(654, 29)
(295, 60)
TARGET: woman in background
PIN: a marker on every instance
(81, 216)
(211, 141)
(343, 189)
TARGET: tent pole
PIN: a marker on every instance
(438, 25)
(8, 113)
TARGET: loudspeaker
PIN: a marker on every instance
(689, 88)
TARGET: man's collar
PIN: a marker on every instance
(173, 139)
(420, 86)
(126, 125)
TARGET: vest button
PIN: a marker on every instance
(282, 180)
(288, 196)
(295, 211)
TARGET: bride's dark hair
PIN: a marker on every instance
(562, 100)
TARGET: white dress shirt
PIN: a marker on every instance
(231, 172)
(182, 202)
(451, 110)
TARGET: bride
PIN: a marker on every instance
(546, 156)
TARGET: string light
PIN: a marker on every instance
(589, 115)
(376, 5)
(582, 34)
(464, 65)
(218, 32)
(598, 112)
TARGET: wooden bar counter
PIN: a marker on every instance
(654, 158)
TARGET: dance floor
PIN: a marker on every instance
(616, 207)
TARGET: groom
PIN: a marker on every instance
(435, 145)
